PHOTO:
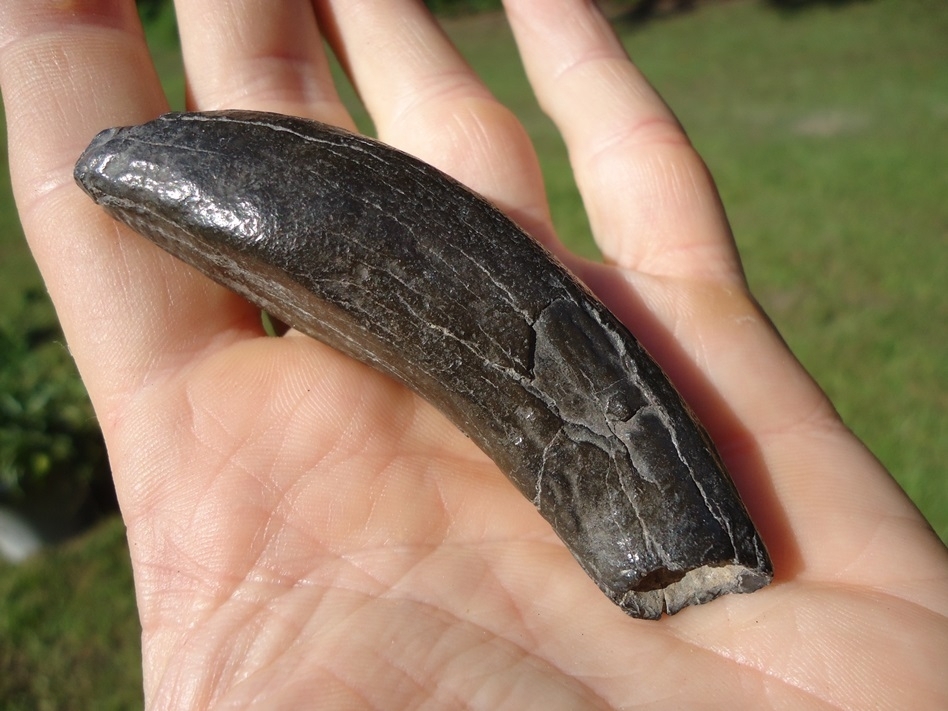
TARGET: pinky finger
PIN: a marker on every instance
(652, 205)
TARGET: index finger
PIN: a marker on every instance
(67, 72)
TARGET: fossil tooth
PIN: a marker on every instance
(392, 262)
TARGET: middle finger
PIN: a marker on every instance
(257, 54)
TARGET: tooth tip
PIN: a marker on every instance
(90, 162)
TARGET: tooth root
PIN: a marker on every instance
(398, 265)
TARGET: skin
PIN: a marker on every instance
(305, 532)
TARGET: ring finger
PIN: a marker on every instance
(426, 99)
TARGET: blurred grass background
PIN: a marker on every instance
(826, 127)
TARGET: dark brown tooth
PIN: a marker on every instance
(396, 264)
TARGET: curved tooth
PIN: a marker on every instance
(396, 264)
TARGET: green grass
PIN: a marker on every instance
(829, 141)
(827, 131)
(69, 633)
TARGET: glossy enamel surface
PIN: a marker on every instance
(399, 266)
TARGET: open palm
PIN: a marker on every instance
(307, 533)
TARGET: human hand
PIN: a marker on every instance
(305, 531)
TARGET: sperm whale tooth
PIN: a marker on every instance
(397, 265)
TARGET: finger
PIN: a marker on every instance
(610, 116)
(621, 138)
(128, 309)
(426, 100)
(255, 54)
(651, 202)
(655, 210)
